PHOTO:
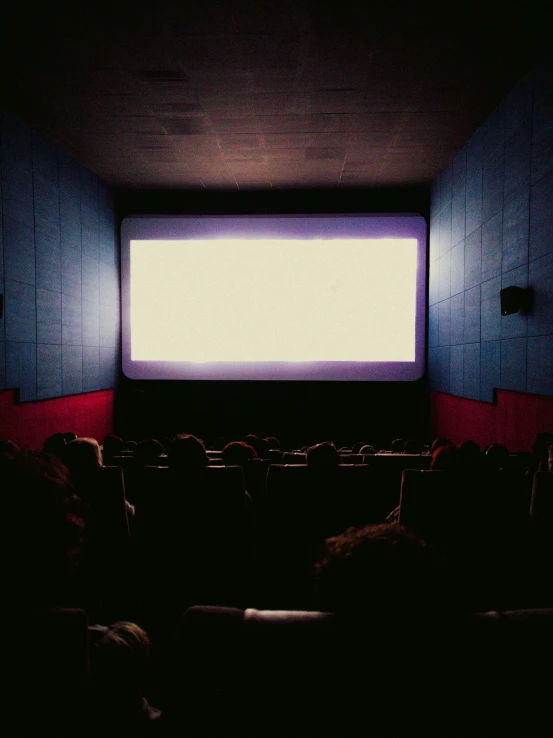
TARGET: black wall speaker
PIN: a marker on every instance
(514, 299)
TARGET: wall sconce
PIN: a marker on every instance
(514, 299)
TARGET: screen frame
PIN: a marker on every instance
(181, 227)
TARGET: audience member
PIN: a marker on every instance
(323, 457)
(412, 446)
(42, 530)
(274, 443)
(539, 459)
(7, 448)
(54, 444)
(367, 449)
(496, 456)
(379, 570)
(237, 453)
(187, 453)
(122, 659)
(130, 446)
(440, 441)
(470, 452)
(148, 452)
(113, 445)
(446, 458)
(397, 446)
(69, 436)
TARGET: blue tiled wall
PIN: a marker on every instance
(58, 270)
(491, 227)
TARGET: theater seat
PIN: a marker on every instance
(308, 673)
(45, 671)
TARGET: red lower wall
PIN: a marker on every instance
(29, 423)
(512, 420)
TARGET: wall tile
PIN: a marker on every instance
(457, 305)
(516, 220)
(16, 170)
(458, 268)
(513, 364)
(458, 216)
(542, 139)
(434, 240)
(445, 186)
(90, 323)
(445, 229)
(69, 179)
(456, 370)
(109, 363)
(91, 279)
(109, 285)
(473, 259)
(472, 315)
(491, 310)
(48, 371)
(48, 262)
(47, 207)
(21, 369)
(438, 368)
(45, 159)
(2, 365)
(494, 134)
(433, 325)
(20, 307)
(434, 283)
(542, 77)
(70, 221)
(541, 218)
(492, 239)
(71, 328)
(459, 173)
(445, 267)
(19, 251)
(474, 183)
(71, 271)
(493, 175)
(515, 325)
(89, 189)
(89, 232)
(91, 368)
(109, 325)
(540, 278)
(72, 370)
(540, 365)
(435, 197)
(48, 324)
(471, 371)
(444, 324)
(490, 369)
(518, 150)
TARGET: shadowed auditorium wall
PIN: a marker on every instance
(492, 227)
(59, 273)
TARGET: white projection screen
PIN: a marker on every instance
(274, 297)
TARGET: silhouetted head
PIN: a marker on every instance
(274, 443)
(122, 656)
(113, 445)
(147, 452)
(446, 458)
(440, 441)
(54, 444)
(356, 448)
(470, 452)
(237, 453)
(497, 456)
(130, 446)
(412, 446)
(82, 457)
(69, 436)
(380, 570)
(541, 451)
(42, 528)
(323, 457)
(7, 448)
(397, 446)
(187, 453)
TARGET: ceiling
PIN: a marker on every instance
(264, 94)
